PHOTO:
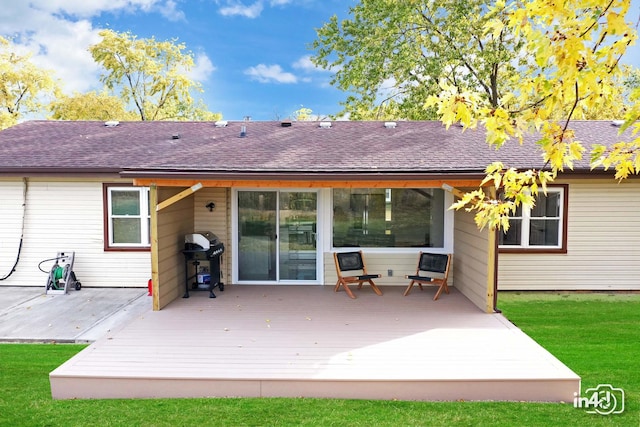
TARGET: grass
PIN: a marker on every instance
(596, 335)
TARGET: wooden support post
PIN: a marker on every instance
(153, 235)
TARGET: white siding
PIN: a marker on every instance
(63, 215)
(11, 214)
(603, 243)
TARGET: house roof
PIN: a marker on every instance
(347, 147)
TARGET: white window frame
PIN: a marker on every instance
(526, 223)
(448, 230)
(143, 217)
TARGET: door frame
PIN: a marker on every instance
(235, 265)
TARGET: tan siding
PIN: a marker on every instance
(218, 221)
(603, 243)
(471, 260)
(67, 215)
(174, 222)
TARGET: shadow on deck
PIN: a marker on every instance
(307, 341)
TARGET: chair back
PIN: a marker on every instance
(348, 261)
(437, 263)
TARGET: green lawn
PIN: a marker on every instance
(596, 335)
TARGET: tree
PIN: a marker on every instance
(512, 66)
(90, 106)
(575, 48)
(23, 85)
(392, 55)
(150, 75)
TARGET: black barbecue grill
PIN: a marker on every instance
(200, 248)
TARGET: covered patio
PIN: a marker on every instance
(308, 341)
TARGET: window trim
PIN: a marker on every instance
(562, 249)
(106, 220)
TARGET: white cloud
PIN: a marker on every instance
(59, 45)
(239, 9)
(86, 8)
(279, 2)
(270, 74)
(58, 33)
(203, 68)
(305, 64)
(170, 11)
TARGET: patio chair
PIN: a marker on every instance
(353, 262)
(433, 269)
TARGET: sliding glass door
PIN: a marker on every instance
(277, 236)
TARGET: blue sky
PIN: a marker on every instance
(252, 56)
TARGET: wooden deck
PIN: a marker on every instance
(307, 341)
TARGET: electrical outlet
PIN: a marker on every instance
(389, 272)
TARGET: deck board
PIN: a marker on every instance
(309, 341)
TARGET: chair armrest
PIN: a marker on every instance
(414, 277)
(369, 276)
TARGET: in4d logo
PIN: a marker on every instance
(603, 399)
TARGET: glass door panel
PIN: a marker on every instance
(257, 225)
(297, 235)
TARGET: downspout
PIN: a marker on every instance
(25, 189)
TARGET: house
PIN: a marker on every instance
(283, 196)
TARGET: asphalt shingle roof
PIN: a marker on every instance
(303, 147)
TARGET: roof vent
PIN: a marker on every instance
(111, 123)
(325, 125)
(221, 124)
(285, 123)
(243, 131)
(390, 125)
(175, 136)
(617, 123)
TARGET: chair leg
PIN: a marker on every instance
(346, 288)
(406, 291)
(442, 287)
(348, 291)
(375, 288)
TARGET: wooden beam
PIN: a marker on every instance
(181, 195)
(423, 183)
(451, 189)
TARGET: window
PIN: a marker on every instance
(388, 218)
(542, 227)
(127, 217)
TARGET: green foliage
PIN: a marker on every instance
(393, 55)
(150, 75)
(572, 71)
(596, 335)
(23, 86)
(90, 106)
